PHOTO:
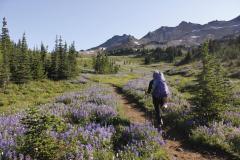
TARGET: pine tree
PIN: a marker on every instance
(72, 60)
(43, 52)
(53, 71)
(14, 60)
(23, 66)
(103, 65)
(5, 51)
(215, 92)
(38, 71)
(63, 61)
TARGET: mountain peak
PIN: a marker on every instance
(183, 23)
(117, 41)
(186, 33)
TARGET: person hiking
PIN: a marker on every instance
(159, 90)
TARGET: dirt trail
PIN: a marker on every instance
(175, 149)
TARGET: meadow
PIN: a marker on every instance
(178, 117)
(81, 118)
(78, 125)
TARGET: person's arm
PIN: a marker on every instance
(150, 87)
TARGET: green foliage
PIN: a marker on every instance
(21, 65)
(63, 62)
(218, 136)
(186, 59)
(118, 121)
(37, 66)
(19, 97)
(43, 57)
(103, 155)
(72, 60)
(215, 94)
(235, 144)
(36, 141)
(227, 50)
(5, 47)
(23, 70)
(103, 65)
(147, 59)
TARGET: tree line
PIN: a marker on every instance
(227, 49)
(19, 64)
(102, 64)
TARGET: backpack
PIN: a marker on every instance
(161, 89)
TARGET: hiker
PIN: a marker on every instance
(159, 90)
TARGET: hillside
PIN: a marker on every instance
(124, 41)
(186, 33)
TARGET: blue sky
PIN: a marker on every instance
(91, 22)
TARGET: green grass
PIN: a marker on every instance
(18, 97)
(117, 80)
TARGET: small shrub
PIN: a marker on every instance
(235, 143)
(36, 141)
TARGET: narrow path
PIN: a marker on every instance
(129, 108)
(175, 149)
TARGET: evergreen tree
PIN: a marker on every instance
(215, 92)
(23, 68)
(63, 61)
(5, 51)
(103, 65)
(53, 72)
(38, 70)
(72, 60)
(14, 60)
(147, 59)
(43, 52)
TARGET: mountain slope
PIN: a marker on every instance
(124, 41)
(186, 33)
(193, 34)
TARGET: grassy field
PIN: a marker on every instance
(18, 97)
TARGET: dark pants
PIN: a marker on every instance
(158, 103)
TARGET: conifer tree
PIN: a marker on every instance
(23, 68)
(215, 93)
(103, 65)
(14, 60)
(38, 71)
(63, 64)
(53, 72)
(72, 60)
(43, 52)
(5, 52)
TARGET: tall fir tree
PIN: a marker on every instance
(215, 92)
(72, 60)
(43, 53)
(53, 71)
(63, 61)
(37, 67)
(23, 66)
(5, 47)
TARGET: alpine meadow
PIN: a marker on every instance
(173, 93)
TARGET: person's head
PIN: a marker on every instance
(156, 74)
